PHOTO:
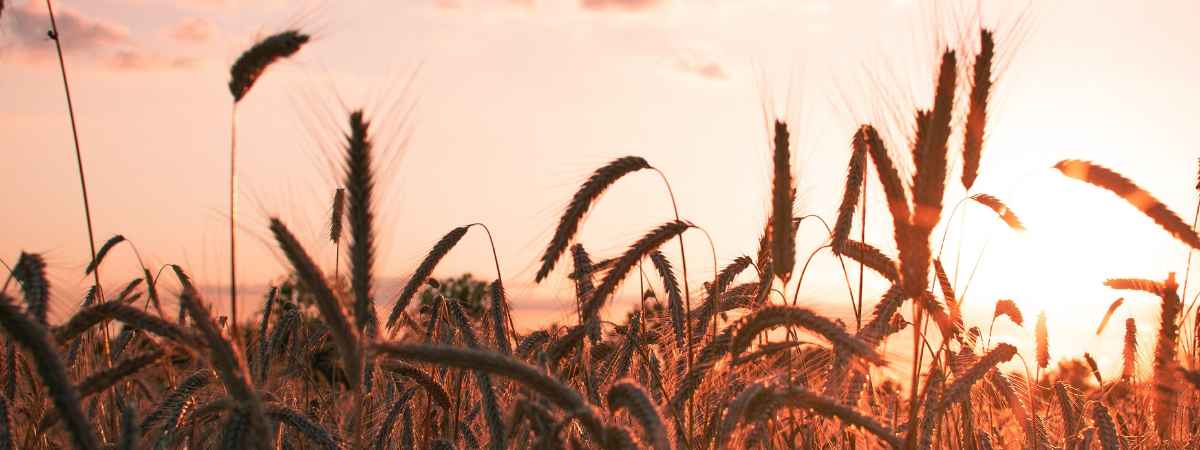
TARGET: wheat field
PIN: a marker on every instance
(698, 364)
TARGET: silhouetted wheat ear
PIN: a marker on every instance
(1091, 362)
(581, 202)
(1001, 210)
(783, 241)
(870, 257)
(263, 342)
(360, 182)
(889, 178)
(337, 214)
(1166, 377)
(930, 415)
(425, 269)
(1136, 284)
(33, 336)
(89, 316)
(169, 404)
(30, 270)
(976, 127)
(1103, 177)
(929, 152)
(1108, 315)
(629, 396)
(1043, 345)
(324, 439)
(952, 304)
(802, 397)
(327, 303)
(248, 67)
(771, 317)
(1129, 354)
(1009, 308)
(674, 295)
(534, 378)
(717, 289)
(623, 265)
(108, 245)
(1067, 405)
(1104, 427)
(850, 198)
(433, 389)
(106, 378)
(960, 389)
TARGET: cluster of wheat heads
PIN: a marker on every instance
(731, 364)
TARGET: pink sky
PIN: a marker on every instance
(515, 102)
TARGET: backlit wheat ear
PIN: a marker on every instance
(327, 303)
(248, 67)
(623, 265)
(632, 398)
(499, 304)
(1001, 210)
(108, 245)
(929, 153)
(30, 270)
(103, 379)
(1091, 362)
(424, 270)
(948, 293)
(89, 316)
(1103, 177)
(783, 242)
(8, 431)
(1105, 428)
(170, 403)
(854, 183)
(336, 215)
(1129, 354)
(930, 416)
(772, 317)
(961, 387)
(674, 294)
(802, 397)
(870, 257)
(1136, 284)
(1043, 345)
(1009, 309)
(981, 85)
(360, 183)
(315, 433)
(65, 395)
(433, 389)
(1166, 378)
(568, 224)
(1111, 309)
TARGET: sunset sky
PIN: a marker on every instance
(495, 111)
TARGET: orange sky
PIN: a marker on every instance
(514, 102)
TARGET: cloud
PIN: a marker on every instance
(194, 31)
(140, 60)
(451, 5)
(79, 32)
(690, 64)
(628, 6)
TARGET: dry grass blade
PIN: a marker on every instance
(1043, 344)
(108, 245)
(1001, 210)
(424, 270)
(981, 85)
(251, 65)
(1129, 355)
(568, 224)
(770, 317)
(854, 183)
(1108, 315)
(33, 336)
(360, 182)
(1136, 284)
(327, 303)
(783, 241)
(1008, 308)
(552, 389)
(629, 396)
(1103, 177)
(1165, 379)
(870, 257)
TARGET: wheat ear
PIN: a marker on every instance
(1091, 362)
(108, 245)
(1108, 315)
(1129, 355)
(783, 241)
(327, 303)
(1136, 284)
(487, 391)
(674, 296)
(870, 257)
(251, 64)
(360, 182)
(433, 389)
(263, 342)
(105, 378)
(623, 265)
(961, 387)
(976, 127)
(89, 316)
(929, 151)
(629, 396)
(1009, 309)
(931, 414)
(1070, 409)
(30, 270)
(850, 198)
(772, 317)
(1103, 177)
(1105, 428)
(168, 405)
(1006, 214)
(805, 398)
(553, 390)
(8, 431)
(324, 439)
(33, 336)
(1166, 377)
(1043, 345)
(568, 224)
(424, 270)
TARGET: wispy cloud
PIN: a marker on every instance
(146, 60)
(31, 21)
(194, 31)
(451, 5)
(627, 6)
(690, 64)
